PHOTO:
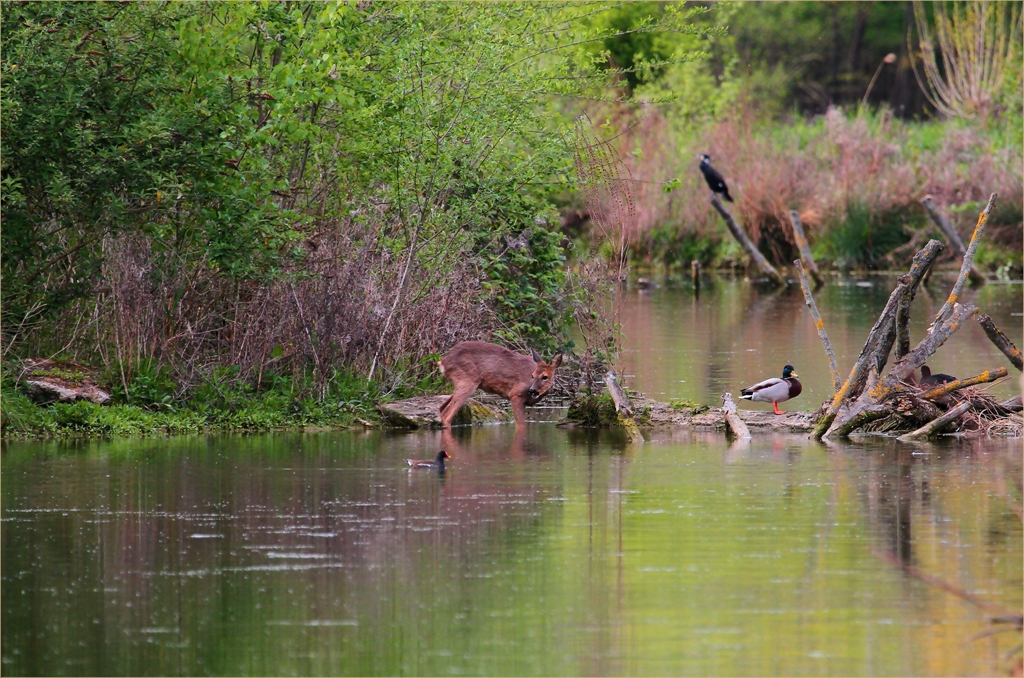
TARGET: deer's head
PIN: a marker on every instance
(543, 376)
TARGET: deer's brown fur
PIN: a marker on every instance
(520, 379)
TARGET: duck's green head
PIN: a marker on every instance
(788, 372)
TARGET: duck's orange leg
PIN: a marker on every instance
(775, 406)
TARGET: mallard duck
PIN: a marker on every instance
(437, 463)
(929, 380)
(774, 390)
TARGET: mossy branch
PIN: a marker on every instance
(983, 378)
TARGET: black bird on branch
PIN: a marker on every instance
(713, 177)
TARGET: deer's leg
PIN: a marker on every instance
(519, 410)
(444, 406)
(450, 409)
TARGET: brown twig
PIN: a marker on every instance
(869, 405)
(809, 300)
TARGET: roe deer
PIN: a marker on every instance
(520, 379)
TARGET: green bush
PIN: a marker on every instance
(862, 237)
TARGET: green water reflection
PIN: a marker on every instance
(680, 346)
(551, 553)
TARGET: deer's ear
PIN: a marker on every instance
(536, 356)
(556, 361)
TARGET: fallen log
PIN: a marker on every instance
(1001, 341)
(952, 236)
(732, 420)
(936, 425)
(869, 406)
(744, 240)
(804, 247)
(881, 336)
(809, 300)
(983, 378)
(965, 267)
(622, 408)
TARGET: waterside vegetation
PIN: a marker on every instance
(249, 216)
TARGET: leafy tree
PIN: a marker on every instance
(105, 132)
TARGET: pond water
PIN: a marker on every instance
(677, 345)
(544, 552)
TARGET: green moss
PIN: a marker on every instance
(72, 376)
(596, 411)
(695, 407)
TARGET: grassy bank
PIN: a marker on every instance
(153, 404)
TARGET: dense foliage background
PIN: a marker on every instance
(219, 202)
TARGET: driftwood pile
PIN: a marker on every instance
(869, 401)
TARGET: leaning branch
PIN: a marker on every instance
(744, 240)
(983, 378)
(965, 267)
(837, 381)
(1001, 341)
(804, 247)
(951, 235)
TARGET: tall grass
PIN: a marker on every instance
(855, 180)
